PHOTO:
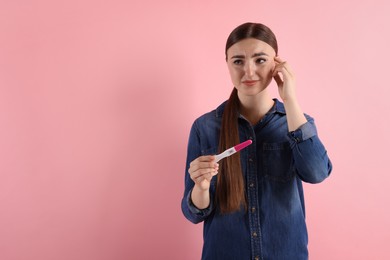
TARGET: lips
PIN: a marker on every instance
(250, 82)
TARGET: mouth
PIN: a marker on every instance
(250, 82)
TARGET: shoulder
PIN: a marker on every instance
(208, 125)
(205, 131)
(214, 115)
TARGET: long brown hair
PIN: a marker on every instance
(230, 191)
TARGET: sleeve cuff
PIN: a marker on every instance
(199, 212)
(304, 132)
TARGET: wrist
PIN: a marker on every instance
(199, 189)
(292, 99)
(200, 197)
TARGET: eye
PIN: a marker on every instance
(238, 62)
(260, 60)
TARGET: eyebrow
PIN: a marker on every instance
(254, 55)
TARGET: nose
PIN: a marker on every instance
(250, 69)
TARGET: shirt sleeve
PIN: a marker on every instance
(198, 212)
(311, 160)
(190, 211)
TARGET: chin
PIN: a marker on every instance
(251, 91)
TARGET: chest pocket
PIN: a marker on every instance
(277, 161)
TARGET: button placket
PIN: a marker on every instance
(252, 192)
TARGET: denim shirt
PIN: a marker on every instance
(274, 166)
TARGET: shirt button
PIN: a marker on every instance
(250, 160)
(251, 185)
(253, 209)
(254, 234)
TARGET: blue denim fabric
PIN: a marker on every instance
(274, 167)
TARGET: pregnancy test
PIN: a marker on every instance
(232, 150)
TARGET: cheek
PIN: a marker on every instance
(234, 74)
(267, 70)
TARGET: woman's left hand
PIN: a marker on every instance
(286, 83)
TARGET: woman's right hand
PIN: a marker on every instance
(202, 170)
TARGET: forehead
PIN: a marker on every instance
(250, 46)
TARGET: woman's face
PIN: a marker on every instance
(250, 63)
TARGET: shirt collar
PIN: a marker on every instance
(277, 108)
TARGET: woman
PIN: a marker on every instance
(252, 202)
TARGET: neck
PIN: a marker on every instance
(253, 108)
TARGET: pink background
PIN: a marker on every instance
(97, 99)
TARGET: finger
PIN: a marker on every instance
(199, 178)
(288, 69)
(287, 75)
(207, 177)
(278, 80)
(204, 158)
(210, 176)
(278, 60)
(203, 165)
(202, 172)
(279, 74)
(285, 64)
(278, 68)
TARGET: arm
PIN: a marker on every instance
(197, 202)
(286, 87)
(310, 157)
(309, 154)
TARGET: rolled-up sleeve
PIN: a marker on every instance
(311, 160)
(190, 211)
(198, 212)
